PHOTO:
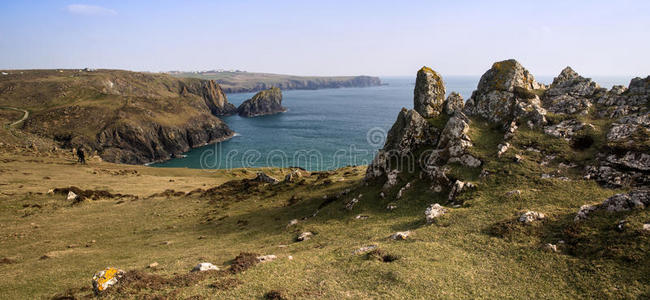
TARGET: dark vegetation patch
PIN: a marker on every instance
(524, 93)
(293, 200)
(582, 142)
(234, 190)
(275, 295)
(91, 194)
(600, 236)
(242, 262)
(7, 260)
(225, 283)
(168, 193)
(381, 255)
(511, 229)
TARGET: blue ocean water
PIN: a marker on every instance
(322, 129)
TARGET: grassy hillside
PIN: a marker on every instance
(50, 246)
(237, 82)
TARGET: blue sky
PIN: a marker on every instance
(328, 37)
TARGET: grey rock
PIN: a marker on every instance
(304, 236)
(434, 211)
(458, 188)
(204, 266)
(531, 216)
(262, 177)
(454, 103)
(635, 199)
(429, 93)
(401, 235)
(570, 93)
(565, 129)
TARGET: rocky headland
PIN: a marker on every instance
(263, 103)
(124, 117)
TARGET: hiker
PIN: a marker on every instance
(81, 156)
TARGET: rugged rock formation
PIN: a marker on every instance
(429, 93)
(214, 97)
(266, 102)
(570, 93)
(409, 132)
(636, 199)
(507, 92)
(619, 102)
(454, 104)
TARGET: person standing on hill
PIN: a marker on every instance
(81, 155)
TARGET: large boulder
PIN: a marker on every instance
(506, 92)
(409, 132)
(454, 103)
(266, 102)
(429, 93)
(570, 93)
(106, 278)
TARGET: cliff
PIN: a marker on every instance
(241, 82)
(126, 117)
(266, 102)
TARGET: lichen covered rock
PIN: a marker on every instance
(570, 93)
(106, 278)
(429, 93)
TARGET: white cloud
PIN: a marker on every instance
(89, 10)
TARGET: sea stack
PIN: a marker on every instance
(266, 102)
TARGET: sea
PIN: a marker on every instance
(322, 129)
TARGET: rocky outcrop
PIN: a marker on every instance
(266, 102)
(570, 93)
(213, 95)
(453, 144)
(429, 93)
(636, 199)
(454, 104)
(409, 132)
(507, 92)
(620, 102)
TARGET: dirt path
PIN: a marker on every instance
(26, 114)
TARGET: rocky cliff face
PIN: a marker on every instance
(213, 95)
(124, 117)
(266, 102)
(570, 93)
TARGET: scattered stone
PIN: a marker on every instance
(72, 196)
(350, 205)
(646, 227)
(531, 216)
(400, 235)
(502, 148)
(106, 278)
(153, 265)
(434, 211)
(382, 195)
(551, 248)
(365, 249)
(292, 222)
(584, 211)
(391, 179)
(458, 188)
(361, 217)
(391, 207)
(513, 193)
(262, 177)
(293, 176)
(304, 236)
(204, 266)
(518, 158)
(620, 226)
(266, 258)
(50, 191)
(402, 190)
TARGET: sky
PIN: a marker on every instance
(328, 37)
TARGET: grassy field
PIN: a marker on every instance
(50, 246)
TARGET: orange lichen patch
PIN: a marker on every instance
(106, 278)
